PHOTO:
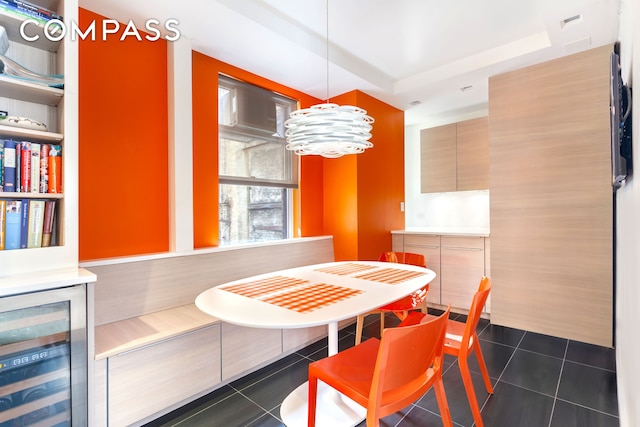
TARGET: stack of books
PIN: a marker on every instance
(26, 223)
(24, 10)
(30, 167)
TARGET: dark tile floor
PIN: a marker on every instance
(539, 381)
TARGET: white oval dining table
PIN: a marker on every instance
(312, 295)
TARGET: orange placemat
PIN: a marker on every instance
(264, 287)
(392, 276)
(345, 269)
(313, 297)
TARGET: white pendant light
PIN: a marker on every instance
(328, 130)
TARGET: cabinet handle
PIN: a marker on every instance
(422, 246)
(462, 248)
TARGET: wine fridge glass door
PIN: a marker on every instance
(43, 358)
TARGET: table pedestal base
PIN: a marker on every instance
(333, 409)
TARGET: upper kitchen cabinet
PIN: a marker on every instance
(438, 159)
(472, 151)
(455, 157)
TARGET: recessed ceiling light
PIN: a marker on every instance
(416, 102)
(571, 20)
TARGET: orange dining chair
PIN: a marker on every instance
(389, 374)
(461, 340)
(416, 300)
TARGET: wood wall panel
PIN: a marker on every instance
(129, 288)
(551, 200)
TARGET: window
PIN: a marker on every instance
(257, 174)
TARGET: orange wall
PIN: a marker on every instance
(205, 142)
(123, 163)
(363, 192)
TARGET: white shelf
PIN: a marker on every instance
(30, 195)
(30, 134)
(31, 92)
(12, 23)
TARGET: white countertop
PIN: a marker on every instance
(441, 231)
(44, 280)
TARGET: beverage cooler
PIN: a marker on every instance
(43, 358)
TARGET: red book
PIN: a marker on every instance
(25, 167)
(55, 169)
(47, 226)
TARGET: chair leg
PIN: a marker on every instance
(443, 405)
(471, 394)
(312, 395)
(381, 323)
(483, 366)
(359, 325)
(423, 307)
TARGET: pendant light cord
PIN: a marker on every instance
(327, 38)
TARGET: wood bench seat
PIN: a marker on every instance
(130, 334)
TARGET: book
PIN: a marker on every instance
(9, 166)
(55, 169)
(36, 222)
(16, 181)
(29, 10)
(1, 165)
(44, 168)
(24, 223)
(13, 219)
(35, 168)
(47, 226)
(3, 215)
(25, 167)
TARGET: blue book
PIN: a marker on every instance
(13, 224)
(9, 166)
(1, 163)
(24, 224)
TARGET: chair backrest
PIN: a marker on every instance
(404, 258)
(404, 356)
(479, 299)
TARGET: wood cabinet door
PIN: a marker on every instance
(461, 268)
(438, 159)
(473, 154)
(551, 207)
(429, 246)
(245, 348)
(143, 382)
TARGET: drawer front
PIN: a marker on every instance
(463, 242)
(148, 380)
(397, 242)
(421, 240)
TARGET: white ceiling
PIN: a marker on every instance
(398, 51)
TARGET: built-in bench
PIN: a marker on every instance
(152, 350)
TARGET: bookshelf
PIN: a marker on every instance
(58, 109)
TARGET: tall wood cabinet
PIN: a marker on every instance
(58, 109)
(551, 199)
(455, 157)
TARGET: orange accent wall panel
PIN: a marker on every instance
(123, 146)
(363, 192)
(205, 142)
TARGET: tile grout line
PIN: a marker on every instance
(555, 397)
